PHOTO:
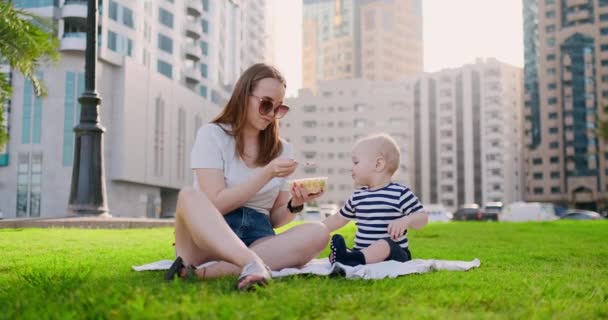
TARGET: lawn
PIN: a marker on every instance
(554, 270)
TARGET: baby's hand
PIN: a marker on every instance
(397, 227)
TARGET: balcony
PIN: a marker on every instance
(576, 3)
(192, 75)
(193, 29)
(74, 9)
(194, 7)
(192, 51)
(73, 41)
(578, 15)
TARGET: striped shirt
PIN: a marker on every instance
(373, 210)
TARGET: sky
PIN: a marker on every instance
(455, 32)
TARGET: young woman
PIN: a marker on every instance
(241, 192)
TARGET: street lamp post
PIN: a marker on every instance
(88, 191)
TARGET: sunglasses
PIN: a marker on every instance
(267, 106)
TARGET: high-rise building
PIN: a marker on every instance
(459, 131)
(467, 126)
(566, 86)
(164, 68)
(324, 126)
(370, 39)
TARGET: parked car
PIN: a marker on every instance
(469, 211)
(576, 214)
(529, 211)
(491, 211)
(438, 213)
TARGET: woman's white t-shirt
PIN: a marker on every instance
(214, 148)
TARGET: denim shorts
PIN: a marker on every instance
(249, 225)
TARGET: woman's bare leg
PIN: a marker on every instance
(292, 248)
(202, 234)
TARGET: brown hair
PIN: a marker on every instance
(235, 114)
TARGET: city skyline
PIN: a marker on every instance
(501, 37)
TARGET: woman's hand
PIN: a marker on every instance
(281, 167)
(300, 196)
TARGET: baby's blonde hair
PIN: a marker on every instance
(385, 146)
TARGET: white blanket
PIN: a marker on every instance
(390, 269)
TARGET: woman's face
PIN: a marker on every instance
(267, 88)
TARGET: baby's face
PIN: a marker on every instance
(364, 163)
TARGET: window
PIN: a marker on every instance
(553, 130)
(551, 42)
(74, 86)
(205, 47)
(604, 31)
(29, 172)
(120, 13)
(120, 44)
(555, 190)
(550, 57)
(309, 108)
(31, 130)
(554, 145)
(553, 160)
(538, 175)
(552, 115)
(165, 17)
(537, 161)
(165, 43)
(538, 190)
(552, 101)
(205, 25)
(550, 28)
(309, 139)
(555, 175)
(127, 17)
(550, 14)
(203, 91)
(34, 3)
(206, 5)
(552, 86)
(604, 17)
(113, 11)
(204, 70)
(165, 68)
(310, 124)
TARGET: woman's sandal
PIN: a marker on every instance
(255, 273)
(176, 269)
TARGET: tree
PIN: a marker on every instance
(26, 41)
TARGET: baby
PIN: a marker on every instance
(383, 210)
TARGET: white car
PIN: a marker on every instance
(529, 211)
(438, 213)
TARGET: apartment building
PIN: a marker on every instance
(566, 86)
(371, 39)
(459, 131)
(165, 67)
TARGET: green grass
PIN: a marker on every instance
(554, 270)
